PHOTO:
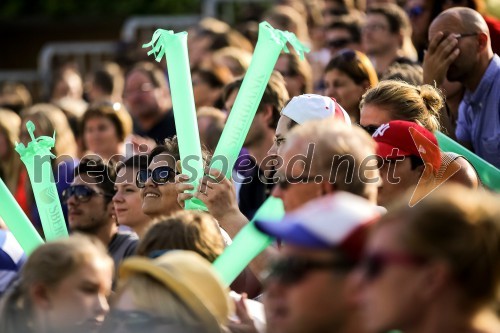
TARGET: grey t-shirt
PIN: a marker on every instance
(122, 245)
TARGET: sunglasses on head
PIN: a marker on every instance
(160, 175)
(133, 321)
(373, 264)
(82, 193)
(292, 270)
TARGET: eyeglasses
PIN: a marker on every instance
(370, 129)
(284, 181)
(339, 43)
(134, 321)
(82, 193)
(415, 12)
(460, 36)
(161, 175)
(292, 270)
(373, 264)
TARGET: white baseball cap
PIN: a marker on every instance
(314, 107)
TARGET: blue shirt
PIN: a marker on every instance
(12, 257)
(479, 115)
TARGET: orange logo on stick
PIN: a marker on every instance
(438, 169)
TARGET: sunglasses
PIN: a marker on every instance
(471, 34)
(133, 321)
(82, 193)
(160, 175)
(415, 12)
(339, 43)
(373, 264)
(370, 129)
(292, 270)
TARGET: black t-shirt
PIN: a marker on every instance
(255, 189)
(165, 128)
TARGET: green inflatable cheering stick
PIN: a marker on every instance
(17, 221)
(36, 156)
(174, 48)
(269, 46)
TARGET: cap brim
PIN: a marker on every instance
(384, 150)
(291, 233)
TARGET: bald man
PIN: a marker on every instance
(459, 42)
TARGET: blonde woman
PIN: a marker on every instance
(63, 287)
(397, 100)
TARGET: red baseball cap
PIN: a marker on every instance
(407, 138)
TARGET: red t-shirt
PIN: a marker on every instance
(494, 26)
(20, 195)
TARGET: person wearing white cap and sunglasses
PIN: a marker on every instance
(301, 109)
(220, 197)
(307, 287)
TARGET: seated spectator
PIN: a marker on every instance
(211, 123)
(63, 287)
(479, 6)
(14, 96)
(147, 97)
(176, 292)
(320, 174)
(254, 188)
(286, 18)
(297, 74)
(208, 85)
(209, 36)
(90, 208)
(67, 88)
(234, 59)
(127, 200)
(421, 13)
(104, 128)
(220, 197)
(344, 33)
(106, 84)
(411, 160)
(412, 74)
(157, 182)
(11, 171)
(384, 35)
(396, 100)
(301, 109)
(444, 255)
(347, 77)
(465, 55)
(307, 287)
